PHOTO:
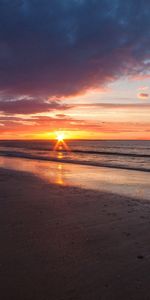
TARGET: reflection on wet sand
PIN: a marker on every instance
(124, 182)
(59, 170)
(59, 175)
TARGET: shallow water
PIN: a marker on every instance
(134, 184)
(134, 155)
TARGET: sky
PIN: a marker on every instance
(81, 67)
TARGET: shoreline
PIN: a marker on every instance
(122, 182)
(82, 163)
(56, 185)
(61, 242)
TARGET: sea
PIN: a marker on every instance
(126, 154)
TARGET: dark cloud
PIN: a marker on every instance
(30, 106)
(55, 47)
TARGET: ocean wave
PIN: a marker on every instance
(83, 162)
(92, 152)
(109, 153)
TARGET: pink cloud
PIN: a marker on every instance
(143, 96)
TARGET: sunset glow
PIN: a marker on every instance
(74, 149)
(60, 136)
(74, 80)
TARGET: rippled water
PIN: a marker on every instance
(117, 154)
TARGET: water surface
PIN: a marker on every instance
(134, 184)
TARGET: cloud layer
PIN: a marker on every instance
(29, 105)
(55, 48)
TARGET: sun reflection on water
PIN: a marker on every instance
(60, 155)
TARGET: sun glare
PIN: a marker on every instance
(60, 136)
(61, 144)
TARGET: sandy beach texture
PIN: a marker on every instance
(64, 243)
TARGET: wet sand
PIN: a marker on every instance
(63, 243)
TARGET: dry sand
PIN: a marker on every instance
(65, 243)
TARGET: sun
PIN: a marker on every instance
(60, 145)
(60, 136)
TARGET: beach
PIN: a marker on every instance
(74, 150)
(64, 242)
